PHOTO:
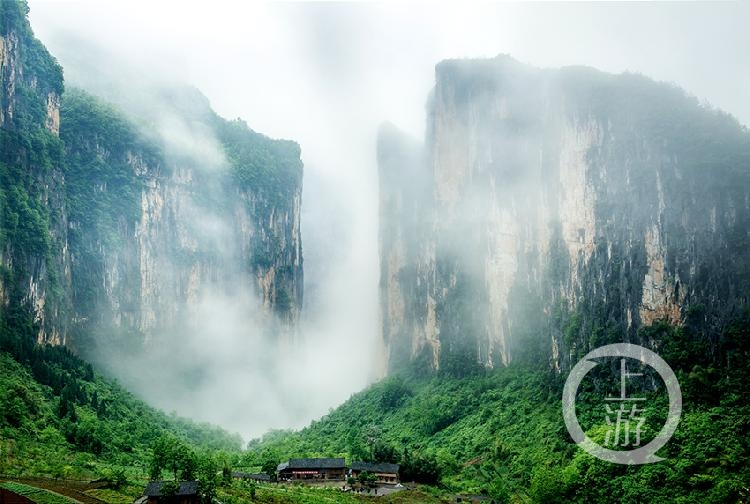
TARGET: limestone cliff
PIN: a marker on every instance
(156, 227)
(35, 279)
(565, 208)
(115, 226)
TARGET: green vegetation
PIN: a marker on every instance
(33, 55)
(31, 215)
(102, 187)
(103, 150)
(36, 494)
(112, 496)
(270, 167)
(498, 433)
(26, 217)
(29, 224)
(240, 493)
(175, 457)
(28, 151)
(60, 419)
(501, 433)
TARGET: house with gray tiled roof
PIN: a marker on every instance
(312, 469)
(186, 493)
(384, 472)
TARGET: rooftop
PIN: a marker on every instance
(153, 489)
(255, 476)
(313, 463)
(375, 468)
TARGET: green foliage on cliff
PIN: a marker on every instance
(103, 151)
(271, 167)
(26, 215)
(29, 214)
(78, 197)
(103, 190)
(37, 62)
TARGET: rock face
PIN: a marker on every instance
(553, 211)
(157, 227)
(113, 233)
(35, 279)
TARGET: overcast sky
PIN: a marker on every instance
(281, 65)
(326, 75)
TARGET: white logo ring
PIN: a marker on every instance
(645, 454)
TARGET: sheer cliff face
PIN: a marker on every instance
(174, 227)
(25, 84)
(112, 234)
(35, 280)
(564, 209)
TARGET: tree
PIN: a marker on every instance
(171, 454)
(383, 452)
(185, 463)
(372, 435)
(269, 467)
(208, 477)
(160, 455)
(117, 478)
(420, 468)
(64, 408)
(95, 401)
(367, 479)
(226, 474)
(358, 450)
(395, 392)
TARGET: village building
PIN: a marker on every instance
(385, 473)
(259, 477)
(187, 493)
(315, 469)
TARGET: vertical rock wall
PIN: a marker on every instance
(565, 209)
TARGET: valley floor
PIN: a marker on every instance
(52, 491)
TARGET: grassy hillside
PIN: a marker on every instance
(59, 418)
(502, 433)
